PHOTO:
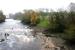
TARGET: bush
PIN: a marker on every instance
(69, 33)
(25, 20)
(57, 22)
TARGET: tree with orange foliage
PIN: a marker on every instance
(30, 17)
(33, 18)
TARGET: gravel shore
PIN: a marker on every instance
(46, 42)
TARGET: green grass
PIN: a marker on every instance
(44, 23)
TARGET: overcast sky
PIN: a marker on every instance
(12, 6)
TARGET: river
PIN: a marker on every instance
(20, 36)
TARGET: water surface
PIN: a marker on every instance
(20, 36)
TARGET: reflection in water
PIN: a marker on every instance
(20, 37)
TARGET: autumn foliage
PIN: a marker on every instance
(33, 17)
(30, 17)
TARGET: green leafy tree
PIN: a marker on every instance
(70, 27)
(57, 22)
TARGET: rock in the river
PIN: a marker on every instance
(2, 40)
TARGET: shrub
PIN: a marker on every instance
(57, 22)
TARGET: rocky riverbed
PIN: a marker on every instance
(49, 43)
(46, 42)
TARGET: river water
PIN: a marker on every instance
(20, 36)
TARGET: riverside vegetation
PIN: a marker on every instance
(60, 23)
(2, 17)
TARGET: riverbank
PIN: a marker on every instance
(47, 43)
(51, 42)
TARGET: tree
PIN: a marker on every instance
(33, 18)
(30, 17)
(57, 22)
(2, 17)
(70, 28)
